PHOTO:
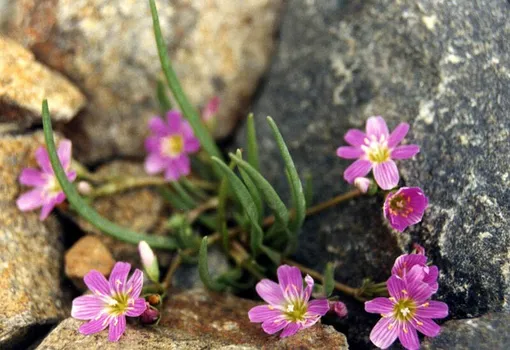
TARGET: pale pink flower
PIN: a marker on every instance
(404, 263)
(376, 150)
(362, 184)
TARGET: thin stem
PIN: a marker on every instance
(333, 201)
(167, 282)
(127, 183)
(242, 258)
(195, 213)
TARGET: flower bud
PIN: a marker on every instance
(84, 188)
(150, 315)
(338, 308)
(362, 184)
(149, 261)
(418, 249)
(210, 111)
(154, 299)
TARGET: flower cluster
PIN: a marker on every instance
(409, 308)
(377, 149)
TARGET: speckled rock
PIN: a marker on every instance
(25, 83)
(198, 320)
(31, 252)
(442, 66)
(89, 253)
(107, 47)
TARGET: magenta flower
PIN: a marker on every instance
(405, 207)
(404, 263)
(339, 308)
(376, 149)
(46, 192)
(289, 306)
(169, 146)
(110, 302)
(408, 309)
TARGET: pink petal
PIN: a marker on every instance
(309, 288)
(135, 284)
(398, 134)
(187, 131)
(154, 164)
(96, 282)
(183, 164)
(47, 207)
(262, 313)
(409, 337)
(172, 173)
(270, 292)
(118, 276)
(291, 329)
(355, 137)
(386, 175)
(152, 144)
(379, 306)
(117, 328)
(32, 177)
(71, 175)
(376, 126)
(427, 327)
(435, 309)
(318, 307)
(64, 153)
(349, 152)
(419, 291)
(191, 145)
(431, 277)
(94, 326)
(87, 307)
(137, 308)
(273, 326)
(158, 127)
(404, 152)
(415, 274)
(406, 261)
(42, 158)
(396, 287)
(384, 334)
(30, 200)
(290, 280)
(359, 168)
(174, 120)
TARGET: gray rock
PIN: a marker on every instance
(31, 252)
(489, 332)
(107, 48)
(442, 66)
(197, 320)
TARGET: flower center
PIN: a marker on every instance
(172, 146)
(295, 311)
(399, 205)
(52, 187)
(404, 309)
(119, 303)
(377, 151)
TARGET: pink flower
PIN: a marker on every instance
(169, 146)
(339, 308)
(110, 302)
(289, 306)
(210, 110)
(405, 207)
(150, 315)
(404, 263)
(408, 309)
(46, 192)
(376, 149)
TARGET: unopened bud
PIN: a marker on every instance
(150, 315)
(210, 111)
(362, 184)
(154, 299)
(149, 261)
(418, 249)
(338, 308)
(84, 188)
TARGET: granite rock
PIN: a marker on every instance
(197, 319)
(26, 82)
(107, 48)
(442, 66)
(31, 252)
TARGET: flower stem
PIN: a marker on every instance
(167, 282)
(333, 201)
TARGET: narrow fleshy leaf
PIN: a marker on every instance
(172, 198)
(329, 279)
(221, 222)
(298, 196)
(203, 269)
(187, 109)
(252, 148)
(254, 192)
(308, 189)
(81, 206)
(164, 102)
(183, 194)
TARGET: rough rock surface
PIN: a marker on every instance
(89, 253)
(107, 48)
(198, 320)
(443, 67)
(24, 85)
(31, 252)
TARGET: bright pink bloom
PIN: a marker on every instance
(404, 263)
(289, 306)
(376, 149)
(408, 309)
(110, 302)
(169, 146)
(405, 207)
(339, 308)
(46, 192)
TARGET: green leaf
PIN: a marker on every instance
(164, 102)
(203, 269)
(84, 209)
(254, 192)
(183, 195)
(308, 189)
(187, 109)
(246, 201)
(329, 279)
(298, 197)
(252, 148)
(172, 198)
(221, 223)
